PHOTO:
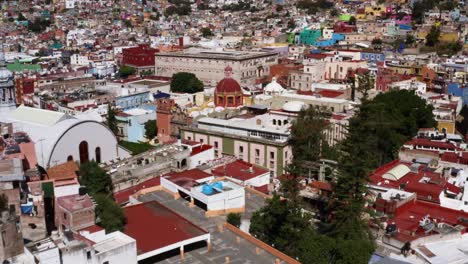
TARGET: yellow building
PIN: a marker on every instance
(446, 125)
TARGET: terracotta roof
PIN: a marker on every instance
(240, 170)
(64, 171)
(154, 226)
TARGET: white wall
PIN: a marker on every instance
(96, 134)
(201, 158)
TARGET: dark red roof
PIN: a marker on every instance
(430, 143)
(330, 94)
(407, 218)
(186, 179)
(228, 85)
(123, 195)
(92, 229)
(425, 183)
(263, 188)
(240, 170)
(154, 226)
(199, 149)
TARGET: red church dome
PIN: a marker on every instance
(228, 92)
(228, 85)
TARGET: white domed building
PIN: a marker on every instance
(59, 138)
(294, 106)
(7, 85)
(273, 88)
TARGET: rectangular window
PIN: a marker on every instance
(216, 144)
(88, 254)
(201, 140)
(241, 149)
(65, 216)
(272, 155)
(257, 153)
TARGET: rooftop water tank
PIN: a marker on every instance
(207, 189)
(218, 185)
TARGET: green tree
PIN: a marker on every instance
(185, 82)
(365, 83)
(151, 129)
(112, 120)
(280, 223)
(109, 214)
(234, 219)
(432, 38)
(125, 71)
(96, 180)
(206, 32)
(307, 139)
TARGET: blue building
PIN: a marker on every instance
(336, 37)
(373, 57)
(131, 123)
(132, 100)
(457, 90)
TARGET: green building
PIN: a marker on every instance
(310, 36)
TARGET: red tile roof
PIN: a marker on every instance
(154, 226)
(263, 188)
(431, 143)
(186, 179)
(425, 183)
(123, 195)
(92, 229)
(330, 94)
(240, 170)
(407, 218)
(199, 149)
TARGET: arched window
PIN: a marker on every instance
(70, 158)
(279, 122)
(183, 164)
(98, 154)
(274, 122)
(84, 153)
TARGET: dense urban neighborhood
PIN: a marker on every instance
(234, 131)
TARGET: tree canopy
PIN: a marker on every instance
(432, 38)
(111, 216)
(340, 235)
(126, 71)
(185, 82)
(112, 120)
(151, 129)
(96, 180)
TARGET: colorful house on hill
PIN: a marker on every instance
(458, 90)
(310, 36)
